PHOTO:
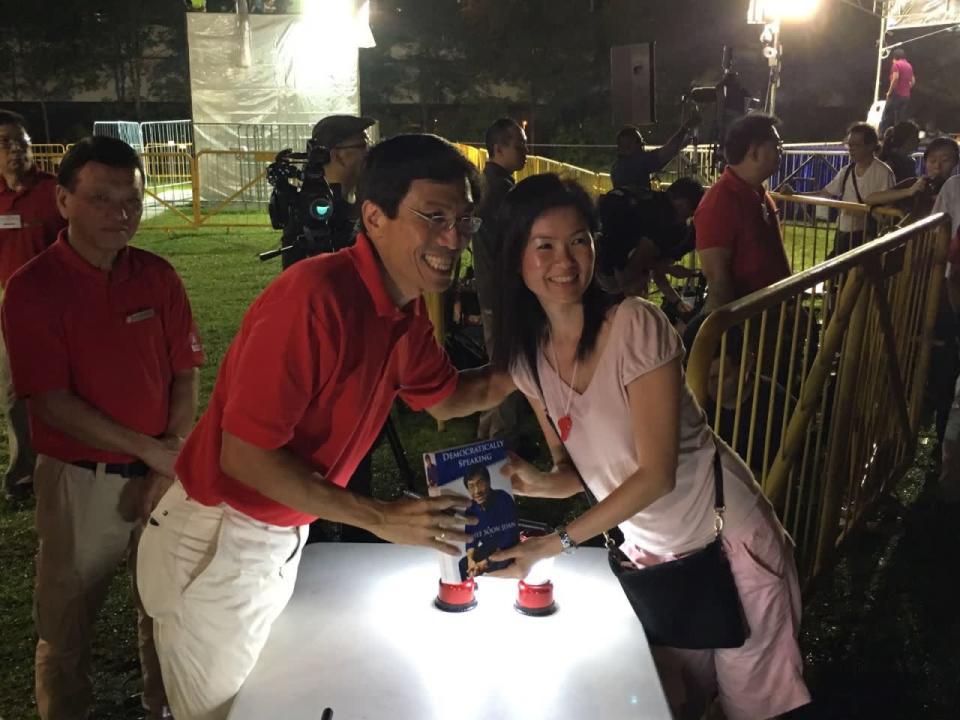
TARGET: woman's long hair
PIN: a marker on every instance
(520, 324)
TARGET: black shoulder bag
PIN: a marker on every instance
(691, 602)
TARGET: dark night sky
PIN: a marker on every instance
(828, 74)
(829, 61)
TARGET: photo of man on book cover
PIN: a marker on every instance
(497, 528)
(473, 471)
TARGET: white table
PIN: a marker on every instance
(361, 636)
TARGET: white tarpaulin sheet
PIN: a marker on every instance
(922, 13)
(269, 72)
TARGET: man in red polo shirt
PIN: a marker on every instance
(29, 223)
(739, 242)
(301, 395)
(103, 346)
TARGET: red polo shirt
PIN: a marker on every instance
(731, 216)
(113, 339)
(34, 209)
(319, 358)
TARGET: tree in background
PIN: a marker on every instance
(128, 46)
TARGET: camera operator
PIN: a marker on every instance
(346, 138)
(644, 235)
(635, 164)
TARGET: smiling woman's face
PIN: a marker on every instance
(557, 262)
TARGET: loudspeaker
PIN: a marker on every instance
(633, 84)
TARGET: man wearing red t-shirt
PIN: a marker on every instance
(29, 223)
(739, 242)
(902, 80)
(300, 397)
(103, 346)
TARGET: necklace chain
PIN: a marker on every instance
(573, 380)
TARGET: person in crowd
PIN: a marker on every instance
(738, 237)
(644, 235)
(899, 144)
(506, 144)
(104, 349)
(948, 418)
(864, 176)
(596, 370)
(948, 201)
(635, 164)
(496, 526)
(29, 223)
(902, 81)
(345, 137)
(344, 334)
(931, 131)
(916, 196)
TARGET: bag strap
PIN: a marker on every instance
(718, 502)
(856, 188)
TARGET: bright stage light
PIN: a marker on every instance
(790, 10)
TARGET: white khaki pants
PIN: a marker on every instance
(214, 580)
(83, 539)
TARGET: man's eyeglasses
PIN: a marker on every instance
(466, 225)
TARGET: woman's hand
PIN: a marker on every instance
(526, 479)
(525, 555)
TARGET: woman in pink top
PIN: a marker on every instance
(611, 382)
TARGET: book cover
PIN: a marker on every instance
(473, 471)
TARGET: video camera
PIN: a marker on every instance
(306, 211)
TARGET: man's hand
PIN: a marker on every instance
(428, 522)
(786, 189)
(161, 454)
(154, 487)
(140, 496)
(475, 569)
(679, 271)
(919, 186)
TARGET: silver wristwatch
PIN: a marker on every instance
(566, 543)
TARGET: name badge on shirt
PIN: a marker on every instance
(140, 316)
(10, 222)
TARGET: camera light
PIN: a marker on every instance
(321, 209)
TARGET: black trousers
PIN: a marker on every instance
(896, 109)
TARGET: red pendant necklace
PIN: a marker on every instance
(565, 423)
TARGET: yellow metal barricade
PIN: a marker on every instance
(810, 226)
(593, 182)
(168, 197)
(47, 156)
(168, 163)
(818, 380)
(230, 188)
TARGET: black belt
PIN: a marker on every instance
(137, 468)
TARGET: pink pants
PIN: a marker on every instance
(764, 677)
